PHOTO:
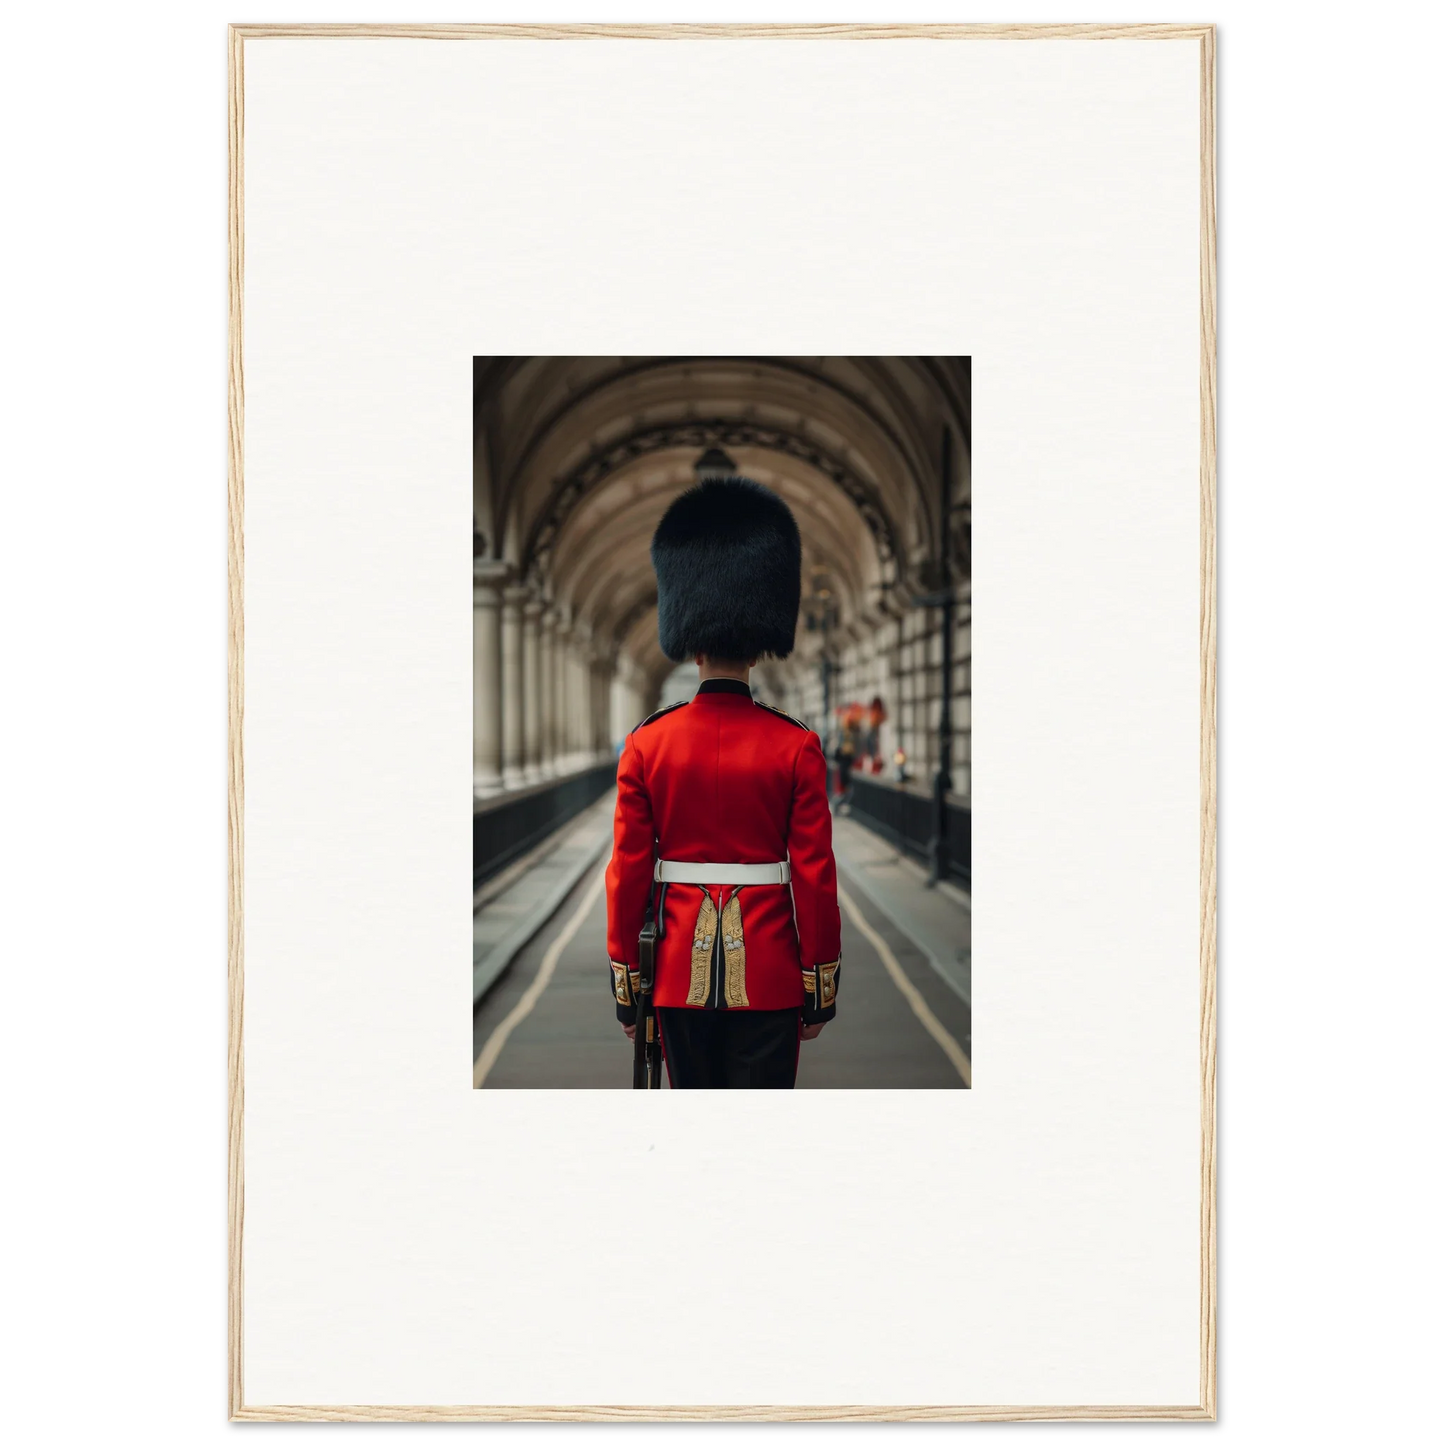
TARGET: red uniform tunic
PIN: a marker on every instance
(723, 779)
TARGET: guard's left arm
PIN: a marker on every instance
(629, 878)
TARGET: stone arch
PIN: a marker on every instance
(595, 470)
(575, 458)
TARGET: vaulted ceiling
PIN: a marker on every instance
(576, 458)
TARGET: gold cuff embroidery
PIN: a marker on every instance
(702, 935)
(810, 984)
(828, 982)
(624, 985)
(735, 986)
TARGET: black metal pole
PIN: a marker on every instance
(943, 778)
(827, 711)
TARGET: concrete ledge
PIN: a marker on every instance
(505, 829)
(933, 919)
(536, 896)
(495, 798)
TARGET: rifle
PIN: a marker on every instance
(646, 1044)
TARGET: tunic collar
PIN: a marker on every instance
(725, 684)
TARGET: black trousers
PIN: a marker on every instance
(707, 1048)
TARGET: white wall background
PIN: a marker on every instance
(409, 1240)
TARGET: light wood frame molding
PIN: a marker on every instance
(1205, 1407)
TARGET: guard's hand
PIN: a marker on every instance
(631, 1031)
(811, 1031)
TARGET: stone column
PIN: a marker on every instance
(567, 692)
(571, 753)
(487, 580)
(615, 731)
(563, 661)
(601, 689)
(906, 739)
(579, 693)
(549, 694)
(546, 691)
(604, 709)
(626, 702)
(632, 703)
(532, 689)
(562, 647)
(588, 665)
(594, 664)
(514, 758)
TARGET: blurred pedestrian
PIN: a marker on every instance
(876, 716)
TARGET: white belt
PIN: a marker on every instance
(739, 873)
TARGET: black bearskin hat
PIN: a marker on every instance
(729, 566)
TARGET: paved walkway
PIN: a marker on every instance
(549, 1021)
(939, 919)
(532, 890)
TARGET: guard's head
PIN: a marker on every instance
(729, 568)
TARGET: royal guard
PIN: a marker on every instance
(723, 840)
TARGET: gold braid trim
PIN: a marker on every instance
(828, 982)
(623, 982)
(735, 982)
(702, 935)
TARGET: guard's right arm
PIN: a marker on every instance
(815, 883)
(629, 878)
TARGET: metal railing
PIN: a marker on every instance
(904, 817)
(505, 827)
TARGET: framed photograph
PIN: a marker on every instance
(588, 650)
(831, 410)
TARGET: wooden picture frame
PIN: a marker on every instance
(1202, 37)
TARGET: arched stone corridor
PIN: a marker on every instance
(575, 459)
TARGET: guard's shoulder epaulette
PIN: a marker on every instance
(786, 716)
(661, 712)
